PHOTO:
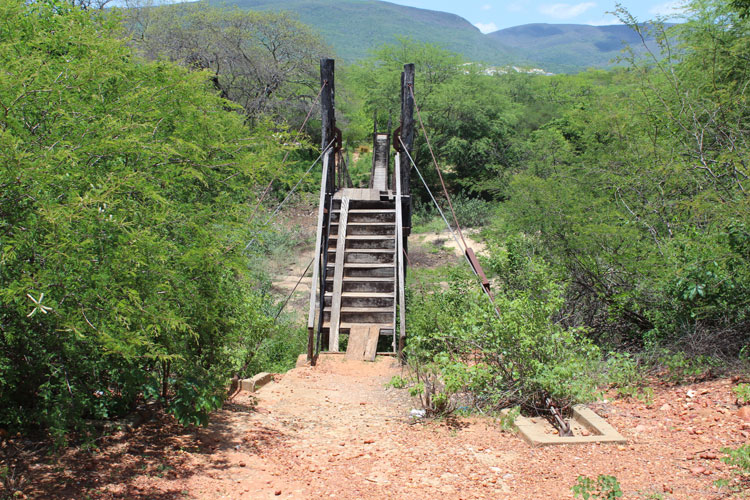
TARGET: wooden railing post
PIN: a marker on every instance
(407, 136)
(328, 117)
(327, 187)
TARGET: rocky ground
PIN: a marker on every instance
(337, 431)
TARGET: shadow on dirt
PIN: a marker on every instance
(121, 465)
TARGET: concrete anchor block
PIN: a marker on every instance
(602, 431)
(256, 382)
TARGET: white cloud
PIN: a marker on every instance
(486, 27)
(486, 6)
(565, 10)
(667, 8)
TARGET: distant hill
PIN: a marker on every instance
(354, 27)
(569, 47)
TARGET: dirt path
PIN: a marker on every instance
(336, 431)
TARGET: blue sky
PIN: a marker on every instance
(491, 15)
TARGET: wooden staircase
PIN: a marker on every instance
(360, 243)
(360, 278)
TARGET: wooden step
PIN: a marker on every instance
(363, 299)
(364, 270)
(366, 215)
(365, 285)
(366, 241)
(364, 256)
(361, 314)
(385, 328)
(366, 229)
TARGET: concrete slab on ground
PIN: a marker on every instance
(536, 431)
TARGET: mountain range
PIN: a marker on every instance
(354, 27)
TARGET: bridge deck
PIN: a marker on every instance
(380, 170)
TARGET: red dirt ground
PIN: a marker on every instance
(336, 431)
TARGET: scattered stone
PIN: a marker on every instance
(243, 464)
(640, 428)
(709, 456)
(418, 413)
(744, 413)
(691, 393)
(277, 492)
(665, 407)
(698, 470)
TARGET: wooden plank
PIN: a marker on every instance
(371, 345)
(338, 277)
(363, 342)
(357, 345)
(399, 260)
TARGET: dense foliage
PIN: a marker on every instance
(629, 187)
(123, 196)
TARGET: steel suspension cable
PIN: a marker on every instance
(437, 167)
(292, 191)
(440, 210)
(293, 290)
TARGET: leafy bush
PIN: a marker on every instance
(279, 352)
(471, 212)
(123, 202)
(604, 488)
(459, 346)
(742, 391)
(739, 460)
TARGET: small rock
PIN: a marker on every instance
(418, 413)
(665, 407)
(709, 456)
(691, 393)
(277, 492)
(640, 428)
(744, 413)
(242, 464)
(698, 470)
(369, 441)
(585, 433)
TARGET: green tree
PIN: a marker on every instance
(123, 190)
(265, 61)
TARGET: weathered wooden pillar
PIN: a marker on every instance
(328, 116)
(407, 137)
(327, 183)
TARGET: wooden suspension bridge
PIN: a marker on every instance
(357, 286)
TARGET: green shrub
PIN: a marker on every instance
(124, 207)
(604, 488)
(457, 345)
(470, 212)
(742, 391)
(279, 352)
(739, 460)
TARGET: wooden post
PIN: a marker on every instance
(317, 293)
(328, 117)
(407, 136)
